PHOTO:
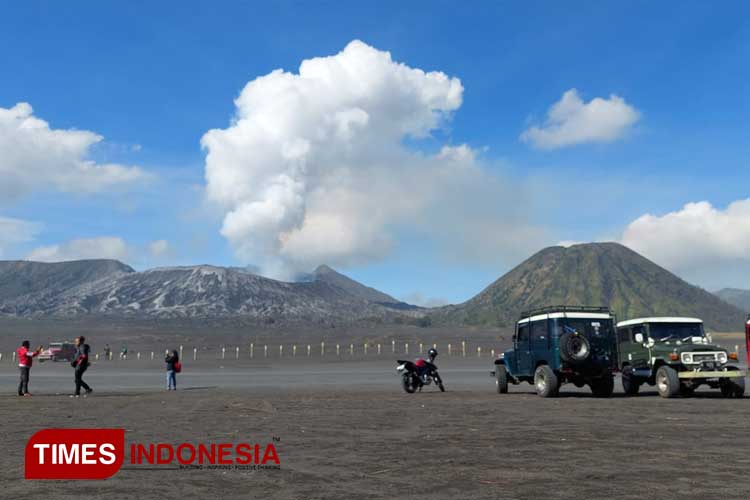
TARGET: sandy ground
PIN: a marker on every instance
(347, 430)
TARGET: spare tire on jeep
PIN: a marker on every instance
(574, 347)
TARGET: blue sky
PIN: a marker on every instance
(152, 78)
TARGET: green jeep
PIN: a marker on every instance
(675, 355)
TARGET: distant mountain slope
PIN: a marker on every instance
(736, 297)
(606, 274)
(91, 288)
(354, 288)
(24, 282)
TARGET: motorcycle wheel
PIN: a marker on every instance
(406, 383)
(442, 387)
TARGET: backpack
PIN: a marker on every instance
(177, 367)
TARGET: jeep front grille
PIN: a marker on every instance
(690, 358)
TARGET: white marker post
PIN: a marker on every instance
(406, 348)
(294, 351)
(351, 350)
(137, 356)
(96, 357)
(338, 350)
(14, 356)
(421, 348)
(195, 353)
(308, 350)
(152, 355)
(322, 349)
(364, 348)
(281, 351)
(252, 350)
(492, 353)
(393, 346)
(463, 348)
(265, 351)
(378, 349)
(223, 352)
(237, 353)
(180, 352)
(479, 352)
(450, 351)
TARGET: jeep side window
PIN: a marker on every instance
(522, 338)
(623, 335)
(539, 333)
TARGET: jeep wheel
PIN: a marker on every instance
(667, 382)
(546, 382)
(733, 387)
(501, 379)
(630, 385)
(574, 348)
(603, 387)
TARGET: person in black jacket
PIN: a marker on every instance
(80, 363)
(171, 359)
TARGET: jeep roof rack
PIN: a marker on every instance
(557, 309)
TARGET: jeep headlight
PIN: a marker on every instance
(687, 358)
(722, 357)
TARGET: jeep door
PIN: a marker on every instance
(524, 361)
(540, 344)
(633, 353)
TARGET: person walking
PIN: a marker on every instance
(80, 364)
(25, 360)
(173, 367)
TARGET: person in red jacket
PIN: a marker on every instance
(25, 360)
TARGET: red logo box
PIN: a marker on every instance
(74, 453)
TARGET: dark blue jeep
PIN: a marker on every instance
(561, 344)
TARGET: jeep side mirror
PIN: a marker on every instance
(639, 338)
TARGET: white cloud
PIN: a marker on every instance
(570, 121)
(158, 248)
(313, 168)
(89, 248)
(16, 231)
(419, 299)
(697, 235)
(34, 156)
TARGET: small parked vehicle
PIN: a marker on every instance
(561, 344)
(677, 356)
(59, 351)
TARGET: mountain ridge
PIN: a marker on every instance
(185, 292)
(607, 274)
(738, 297)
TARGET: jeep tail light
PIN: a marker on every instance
(673, 356)
(733, 355)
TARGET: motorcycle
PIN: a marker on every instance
(415, 375)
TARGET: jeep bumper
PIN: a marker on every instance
(713, 374)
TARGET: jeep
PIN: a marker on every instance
(561, 344)
(675, 355)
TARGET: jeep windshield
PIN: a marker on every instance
(675, 331)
